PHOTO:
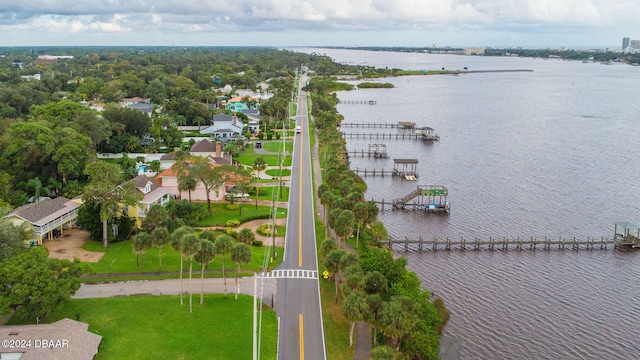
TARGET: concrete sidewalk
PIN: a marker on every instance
(172, 287)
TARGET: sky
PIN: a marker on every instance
(281, 23)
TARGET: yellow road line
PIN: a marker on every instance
(301, 321)
(300, 208)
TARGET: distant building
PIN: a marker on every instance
(51, 59)
(625, 43)
(474, 51)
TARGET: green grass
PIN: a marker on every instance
(271, 160)
(266, 193)
(276, 146)
(276, 172)
(158, 327)
(220, 215)
(119, 258)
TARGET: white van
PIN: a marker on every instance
(298, 129)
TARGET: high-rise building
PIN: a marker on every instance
(625, 43)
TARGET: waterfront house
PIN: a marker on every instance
(47, 218)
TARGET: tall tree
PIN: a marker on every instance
(344, 225)
(156, 216)
(204, 256)
(354, 309)
(160, 238)
(36, 186)
(224, 245)
(332, 264)
(140, 244)
(361, 214)
(258, 166)
(240, 255)
(31, 285)
(104, 189)
(176, 244)
(203, 170)
(12, 238)
(189, 246)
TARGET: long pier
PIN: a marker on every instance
(504, 244)
(376, 125)
(400, 135)
(358, 102)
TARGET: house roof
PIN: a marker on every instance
(80, 343)
(204, 145)
(155, 194)
(222, 117)
(42, 212)
(172, 155)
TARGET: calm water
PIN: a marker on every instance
(553, 152)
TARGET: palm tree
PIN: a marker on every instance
(224, 245)
(160, 238)
(360, 213)
(246, 236)
(326, 199)
(344, 225)
(332, 264)
(240, 255)
(398, 317)
(36, 185)
(204, 256)
(176, 244)
(374, 305)
(190, 245)
(141, 242)
(354, 309)
(258, 165)
(187, 183)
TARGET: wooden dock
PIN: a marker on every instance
(375, 150)
(358, 102)
(504, 244)
(399, 125)
(406, 168)
(390, 136)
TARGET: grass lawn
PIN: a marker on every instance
(158, 327)
(266, 193)
(248, 158)
(276, 172)
(276, 146)
(220, 215)
(119, 258)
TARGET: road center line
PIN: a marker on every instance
(300, 206)
(301, 321)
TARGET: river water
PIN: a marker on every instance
(554, 152)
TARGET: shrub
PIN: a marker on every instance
(233, 223)
(232, 207)
(229, 231)
(257, 243)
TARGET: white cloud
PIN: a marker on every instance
(131, 17)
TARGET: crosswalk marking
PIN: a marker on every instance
(290, 274)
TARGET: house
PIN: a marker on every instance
(47, 217)
(153, 194)
(168, 179)
(223, 125)
(141, 104)
(236, 103)
(61, 340)
(211, 150)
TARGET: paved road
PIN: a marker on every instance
(301, 334)
(172, 287)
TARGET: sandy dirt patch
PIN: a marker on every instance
(69, 246)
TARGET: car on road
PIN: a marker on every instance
(298, 129)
